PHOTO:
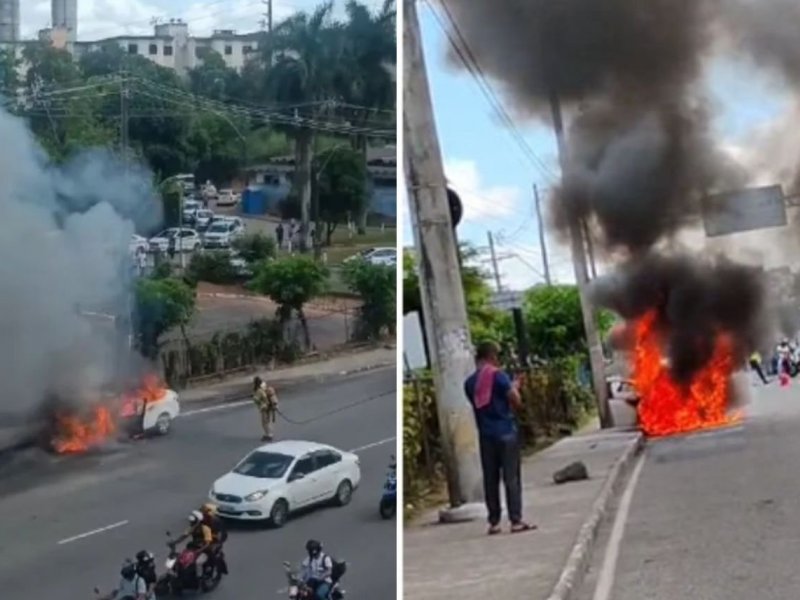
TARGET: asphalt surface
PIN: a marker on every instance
(139, 491)
(713, 516)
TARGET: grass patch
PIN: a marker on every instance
(343, 246)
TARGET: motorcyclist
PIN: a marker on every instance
(200, 539)
(218, 531)
(146, 569)
(317, 569)
(131, 585)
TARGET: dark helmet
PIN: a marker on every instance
(128, 570)
(313, 547)
(143, 557)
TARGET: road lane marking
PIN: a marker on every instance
(227, 405)
(372, 445)
(75, 538)
(605, 582)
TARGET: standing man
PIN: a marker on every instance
(279, 235)
(266, 401)
(493, 395)
(755, 364)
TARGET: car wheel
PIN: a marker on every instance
(163, 423)
(279, 513)
(344, 493)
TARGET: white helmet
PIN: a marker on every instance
(195, 517)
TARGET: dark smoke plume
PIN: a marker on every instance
(695, 301)
(641, 156)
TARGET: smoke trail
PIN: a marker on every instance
(641, 155)
(64, 236)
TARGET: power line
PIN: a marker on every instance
(466, 56)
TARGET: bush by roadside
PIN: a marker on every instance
(555, 405)
(376, 285)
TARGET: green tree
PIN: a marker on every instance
(376, 285)
(369, 56)
(212, 267)
(290, 283)
(485, 322)
(341, 189)
(255, 247)
(9, 75)
(554, 320)
(171, 201)
(305, 74)
(161, 305)
(213, 78)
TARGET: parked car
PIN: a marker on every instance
(203, 219)
(240, 265)
(279, 478)
(227, 198)
(186, 240)
(221, 234)
(376, 256)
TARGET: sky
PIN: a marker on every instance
(486, 166)
(106, 18)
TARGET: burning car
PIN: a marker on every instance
(75, 427)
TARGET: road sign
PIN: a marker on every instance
(744, 210)
(507, 300)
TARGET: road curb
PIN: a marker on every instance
(575, 568)
(244, 395)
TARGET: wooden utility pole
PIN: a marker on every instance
(495, 268)
(596, 357)
(444, 308)
(542, 242)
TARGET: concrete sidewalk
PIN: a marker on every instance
(460, 561)
(241, 386)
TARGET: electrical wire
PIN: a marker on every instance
(466, 56)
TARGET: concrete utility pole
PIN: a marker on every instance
(495, 268)
(596, 358)
(444, 308)
(542, 242)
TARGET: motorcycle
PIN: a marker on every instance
(388, 504)
(300, 590)
(181, 571)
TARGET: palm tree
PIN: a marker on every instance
(370, 53)
(305, 52)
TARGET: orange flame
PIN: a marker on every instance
(667, 408)
(79, 434)
(152, 390)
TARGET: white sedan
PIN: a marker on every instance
(376, 256)
(159, 413)
(279, 478)
(186, 240)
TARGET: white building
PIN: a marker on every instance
(172, 46)
(9, 20)
(64, 15)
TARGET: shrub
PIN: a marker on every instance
(255, 247)
(376, 285)
(212, 267)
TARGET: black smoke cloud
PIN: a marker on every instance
(641, 155)
(694, 300)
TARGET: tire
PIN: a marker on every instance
(344, 493)
(208, 584)
(279, 513)
(163, 424)
(387, 509)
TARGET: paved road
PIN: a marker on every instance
(147, 488)
(712, 516)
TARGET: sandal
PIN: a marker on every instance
(494, 529)
(522, 527)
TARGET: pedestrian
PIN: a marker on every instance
(266, 401)
(279, 235)
(493, 395)
(755, 364)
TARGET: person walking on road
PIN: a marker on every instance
(755, 364)
(266, 401)
(493, 395)
(279, 235)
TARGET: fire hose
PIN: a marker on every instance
(336, 410)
